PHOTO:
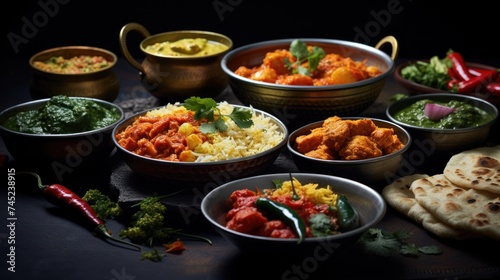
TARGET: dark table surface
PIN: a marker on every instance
(45, 242)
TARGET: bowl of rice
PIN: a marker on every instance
(167, 142)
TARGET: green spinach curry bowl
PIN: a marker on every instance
(79, 141)
(443, 130)
(368, 204)
(298, 105)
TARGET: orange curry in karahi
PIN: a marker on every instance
(306, 65)
(339, 139)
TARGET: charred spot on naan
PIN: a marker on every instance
(487, 162)
(493, 207)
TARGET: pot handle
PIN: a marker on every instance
(123, 42)
(394, 43)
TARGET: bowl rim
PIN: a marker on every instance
(230, 44)
(132, 118)
(356, 45)
(452, 96)
(373, 193)
(401, 151)
(423, 88)
(34, 57)
(41, 102)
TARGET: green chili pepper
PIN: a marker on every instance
(295, 195)
(285, 213)
(348, 217)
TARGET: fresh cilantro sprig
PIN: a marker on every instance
(382, 243)
(432, 74)
(300, 51)
(206, 108)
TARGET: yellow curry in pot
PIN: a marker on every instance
(186, 47)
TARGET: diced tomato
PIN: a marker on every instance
(247, 220)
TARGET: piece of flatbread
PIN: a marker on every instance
(477, 168)
(399, 196)
(471, 210)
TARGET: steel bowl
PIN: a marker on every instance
(375, 172)
(299, 105)
(101, 84)
(437, 140)
(62, 153)
(192, 173)
(367, 202)
(176, 78)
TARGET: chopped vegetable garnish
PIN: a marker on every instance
(432, 74)
(435, 112)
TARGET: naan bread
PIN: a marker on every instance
(477, 168)
(470, 210)
(399, 196)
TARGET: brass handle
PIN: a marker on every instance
(123, 42)
(394, 43)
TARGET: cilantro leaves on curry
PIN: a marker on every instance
(63, 115)
(302, 53)
(206, 108)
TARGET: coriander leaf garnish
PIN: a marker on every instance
(381, 243)
(206, 108)
(301, 52)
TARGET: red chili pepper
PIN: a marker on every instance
(458, 66)
(452, 74)
(174, 247)
(475, 71)
(64, 197)
(493, 88)
(477, 83)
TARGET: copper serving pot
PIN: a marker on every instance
(175, 78)
(101, 84)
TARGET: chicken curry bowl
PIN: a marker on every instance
(308, 65)
(200, 130)
(348, 140)
(367, 150)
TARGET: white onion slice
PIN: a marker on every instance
(435, 112)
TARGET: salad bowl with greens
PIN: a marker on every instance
(438, 75)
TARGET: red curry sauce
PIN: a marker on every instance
(244, 217)
(159, 136)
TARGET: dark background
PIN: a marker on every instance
(422, 28)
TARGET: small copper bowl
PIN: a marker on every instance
(101, 84)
